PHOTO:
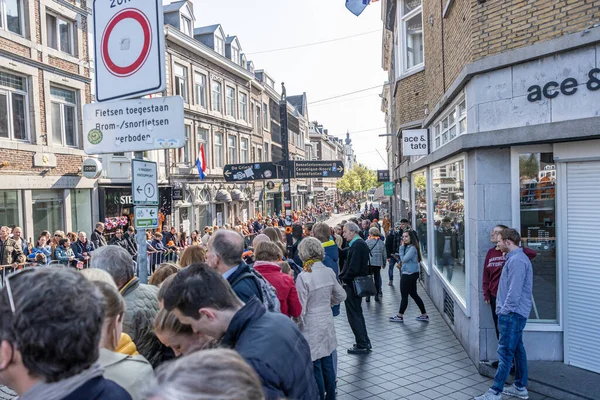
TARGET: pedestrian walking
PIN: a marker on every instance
(377, 260)
(513, 306)
(410, 257)
(392, 244)
(318, 289)
(270, 342)
(356, 264)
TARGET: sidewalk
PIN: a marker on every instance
(415, 360)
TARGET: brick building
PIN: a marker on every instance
(508, 93)
(44, 81)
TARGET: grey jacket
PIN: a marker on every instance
(132, 373)
(378, 253)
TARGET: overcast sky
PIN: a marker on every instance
(322, 71)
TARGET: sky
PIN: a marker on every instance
(322, 71)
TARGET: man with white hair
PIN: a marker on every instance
(356, 264)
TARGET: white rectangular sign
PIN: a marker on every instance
(146, 217)
(133, 125)
(129, 41)
(144, 185)
(415, 142)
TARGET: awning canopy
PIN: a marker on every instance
(222, 196)
(237, 195)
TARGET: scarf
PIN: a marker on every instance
(307, 265)
(61, 389)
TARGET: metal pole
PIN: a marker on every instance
(287, 168)
(140, 236)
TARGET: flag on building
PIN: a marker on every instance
(201, 162)
(356, 7)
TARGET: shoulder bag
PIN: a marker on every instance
(364, 286)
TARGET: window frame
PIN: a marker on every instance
(230, 107)
(235, 55)
(4, 18)
(230, 148)
(63, 104)
(401, 40)
(185, 22)
(257, 118)
(438, 130)
(426, 265)
(185, 151)
(243, 106)
(219, 96)
(200, 93)
(265, 116)
(244, 152)
(220, 45)
(218, 157)
(179, 80)
(57, 17)
(10, 112)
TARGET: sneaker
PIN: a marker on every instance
(359, 350)
(489, 395)
(514, 391)
(396, 318)
(422, 318)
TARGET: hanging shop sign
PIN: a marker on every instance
(414, 142)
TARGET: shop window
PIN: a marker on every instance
(451, 125)
(11, 16)
(10, 210)
(409, 40)
(200, 89)
(537, 183)
(420, 221)
(219, 150)
(48, 210)
(217, 93)
(64, 117)
(13, 107)
(230, 101)
(448, 182)
(81, 210)
(181, 82)
(60, 33)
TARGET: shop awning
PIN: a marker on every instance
(237, 195)
(222, 196)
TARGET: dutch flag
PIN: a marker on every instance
(201, 163)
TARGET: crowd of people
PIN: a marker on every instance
(228, 318)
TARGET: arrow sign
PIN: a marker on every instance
(318, 169)
(146, 217)
(250, 172)
(139, 190)
(144, 185)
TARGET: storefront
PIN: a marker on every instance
(483, 170)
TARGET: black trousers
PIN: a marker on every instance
(408, 287)
(494, 315)
(376, 271)
(355, 317)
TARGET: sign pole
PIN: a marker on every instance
(287, 168)
(142, 257)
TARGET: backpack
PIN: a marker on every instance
(268, 293)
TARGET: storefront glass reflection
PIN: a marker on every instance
(449, 223)
(537, 181)
(420, 201)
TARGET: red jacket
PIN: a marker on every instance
(492, 269)
(285, 286)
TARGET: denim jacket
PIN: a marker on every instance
(410, 260)
(63, 254)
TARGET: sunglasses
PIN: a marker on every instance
(9, 289)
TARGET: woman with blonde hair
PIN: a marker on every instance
(318, 289)
(179, 337)
(205, 375)
(191, 255)
(163, 272)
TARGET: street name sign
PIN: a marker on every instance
(383, 175)
(414, 142)
(133, 125)
(144, 186)
(145, 217)
(318, 169)
(129, 43)
(250, 172)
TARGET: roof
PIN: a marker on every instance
(298, 102)
(203, 30)
(175, 6)
(230, 39)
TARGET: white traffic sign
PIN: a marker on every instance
(133, 125)
(144, 185)
(129, 43)
(145, 217)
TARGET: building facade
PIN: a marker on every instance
(44, 81)
(326, 148)
(509, 93)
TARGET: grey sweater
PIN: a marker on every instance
(378, 253)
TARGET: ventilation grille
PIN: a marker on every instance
(449, 306)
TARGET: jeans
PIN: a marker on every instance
(355, 316)
(511, 347)
(391, 269)
(408, 287)
(494, 315)
(446, 260)
(376, 271)
(325, 377)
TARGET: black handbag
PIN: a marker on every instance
(364, 286)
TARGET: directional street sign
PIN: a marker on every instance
(317, 169)
(146, 217)
(250, 172)
(129, 44)
(144, 185)
(133, 125)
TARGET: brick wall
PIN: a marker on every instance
(22, 161)
(410, 99)
(64, 65)
(500, 26)
(14, 48)
(42, 108)
(38, 23)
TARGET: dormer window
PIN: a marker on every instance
(235, 55)
(219, 45)
(185, 25)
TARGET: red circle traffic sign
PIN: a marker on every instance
(140, 18)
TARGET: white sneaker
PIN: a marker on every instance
(489, 395)
(514, 391)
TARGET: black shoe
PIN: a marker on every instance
(495, 364)
(378, 298)
(359, 350)
(368, 299)
(391, 283)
